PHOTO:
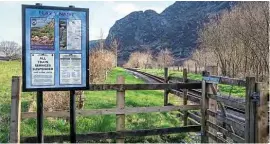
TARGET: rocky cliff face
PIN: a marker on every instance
(176, 28)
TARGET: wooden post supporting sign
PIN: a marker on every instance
(40, 138)
(72, 117)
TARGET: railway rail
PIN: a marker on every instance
(191, 93)
(235, 115)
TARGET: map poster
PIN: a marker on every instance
(42, 69)
(74, 35)
(70, 69)
(63, 34)
(42, 33)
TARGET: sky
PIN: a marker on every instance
(102, 15)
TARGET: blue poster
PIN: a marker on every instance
(55, 48)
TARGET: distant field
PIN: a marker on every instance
(94, 100)
(224, 89)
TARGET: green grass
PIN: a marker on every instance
(235, 91)
(94, 100)
(7, 70)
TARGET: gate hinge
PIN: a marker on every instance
(255, 97)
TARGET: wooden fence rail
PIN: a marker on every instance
(115, 135)
(120, 111)
(153, 86)
(235, 137)
(235, 104)
(126, 111)
(230, 81)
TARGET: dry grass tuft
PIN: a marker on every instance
(101, 62)
(56, 101)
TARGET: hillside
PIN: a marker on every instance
(175, 28)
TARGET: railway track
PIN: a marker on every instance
(194, 95)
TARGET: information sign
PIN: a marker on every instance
(55, 48)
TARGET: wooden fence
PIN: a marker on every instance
(120, 111)
(213, 120)
(226, 127)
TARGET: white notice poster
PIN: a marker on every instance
(70, 69)
(74, 35)
(42, 70)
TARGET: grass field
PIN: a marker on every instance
(94, 100)
(7, 70)
(224, 89)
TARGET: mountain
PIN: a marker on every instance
(95, 43)
(176, 28)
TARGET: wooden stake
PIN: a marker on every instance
(166, 90)
(212, 103)
(204, 107)
(249, 112)
(185, 91)
(15, 110)
(120, 102)
(196, 70)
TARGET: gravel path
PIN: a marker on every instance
(143, 77)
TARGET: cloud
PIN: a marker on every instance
(157, 9)
(125, 8)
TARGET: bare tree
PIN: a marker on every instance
(115, 49)
(201, 57)
(239, 40)
(101, 61)
(133, 60)
(101, 42)
(149, 58)
(165, 58)
(140, 60)
(10, 49)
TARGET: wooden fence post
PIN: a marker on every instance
(262, 115)
(120, 102)
(249, 110)
(185, 91)
(15, 110)
(196, 70)
(212, 103)
(166, 90)
(218, 69)
(204, 107)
